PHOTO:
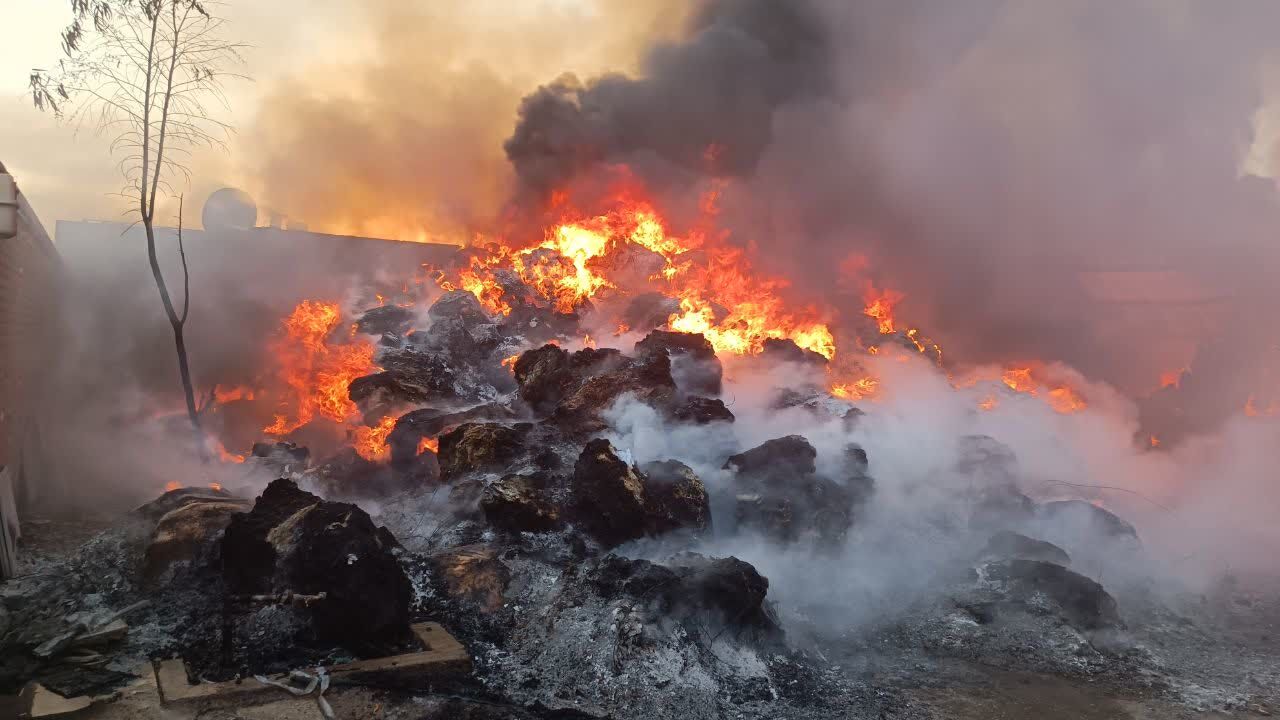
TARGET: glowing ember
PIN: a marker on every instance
(1154, 441)
(371, 442)
(316, 372)
(428, 444)
(1065, 400)
(216, 487)
(172, 485)
(1172, 379)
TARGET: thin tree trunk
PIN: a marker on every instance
(176, 323)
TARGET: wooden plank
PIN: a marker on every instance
(441, 655)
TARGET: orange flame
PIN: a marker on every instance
(1172, 378)
(316, 372)
(880, 308)
(427, 443)
(864, 387)
(1154, 441)
(370, 443)
(239, 392)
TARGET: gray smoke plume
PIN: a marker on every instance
(1042, 180)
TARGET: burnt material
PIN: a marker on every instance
(609, 497)
(702, 411)
(518, 503)
(694, 364)
(1089, 519)
(292, 541)
(1082, 602)
(1006, 544)
(786, 350)
(477, 447)
(385, 319)
(675, 498)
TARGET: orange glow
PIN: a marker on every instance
(216, 487)
(1172, 378)
(226, 456)
(1154, 441)
(588, 342)
(988, 403)
(880, 307)
(370, 443)
(1019, 379)
(430, 444)
(316, 372)
(864, 387)
(1066, 400)
(239, 392)
(579, 259)
(509, 362)
(1251, 408)
(172, 485)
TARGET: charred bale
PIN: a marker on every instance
(725, 593)
(702, 411)
(781, 494)
(675, 498)
(1081, 601)
(1088, 520)
(544, 376)
(786, 350)
(460, 305)
(280, 456)
(519, 503)
(429, 423)
(608, 496)
(649, 310)
(481, 447)
(694, 364)
(184, 534)
(386, 319)
(647, 378)
(775, 461)
(472, 576)
(1007, 544)
(292, 541)
(346, 474)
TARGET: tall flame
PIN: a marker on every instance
(316, 371)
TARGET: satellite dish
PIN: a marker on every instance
(229, 209)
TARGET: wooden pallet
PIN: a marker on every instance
(441, 655)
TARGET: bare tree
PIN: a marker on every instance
(143, 72)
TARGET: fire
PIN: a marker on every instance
(316, 372)
(228, 395)
(988, 403)
(1154, 441)
(172, 485)
(225, 456)
(1066, 400)
(216, 487)
(430, 444)
(1019, 380)
(880, 308)
(863, 387)
(720, 295)
(1172, 378)
(509, 362)
(371, 442)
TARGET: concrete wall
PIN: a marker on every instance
(30, 293)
